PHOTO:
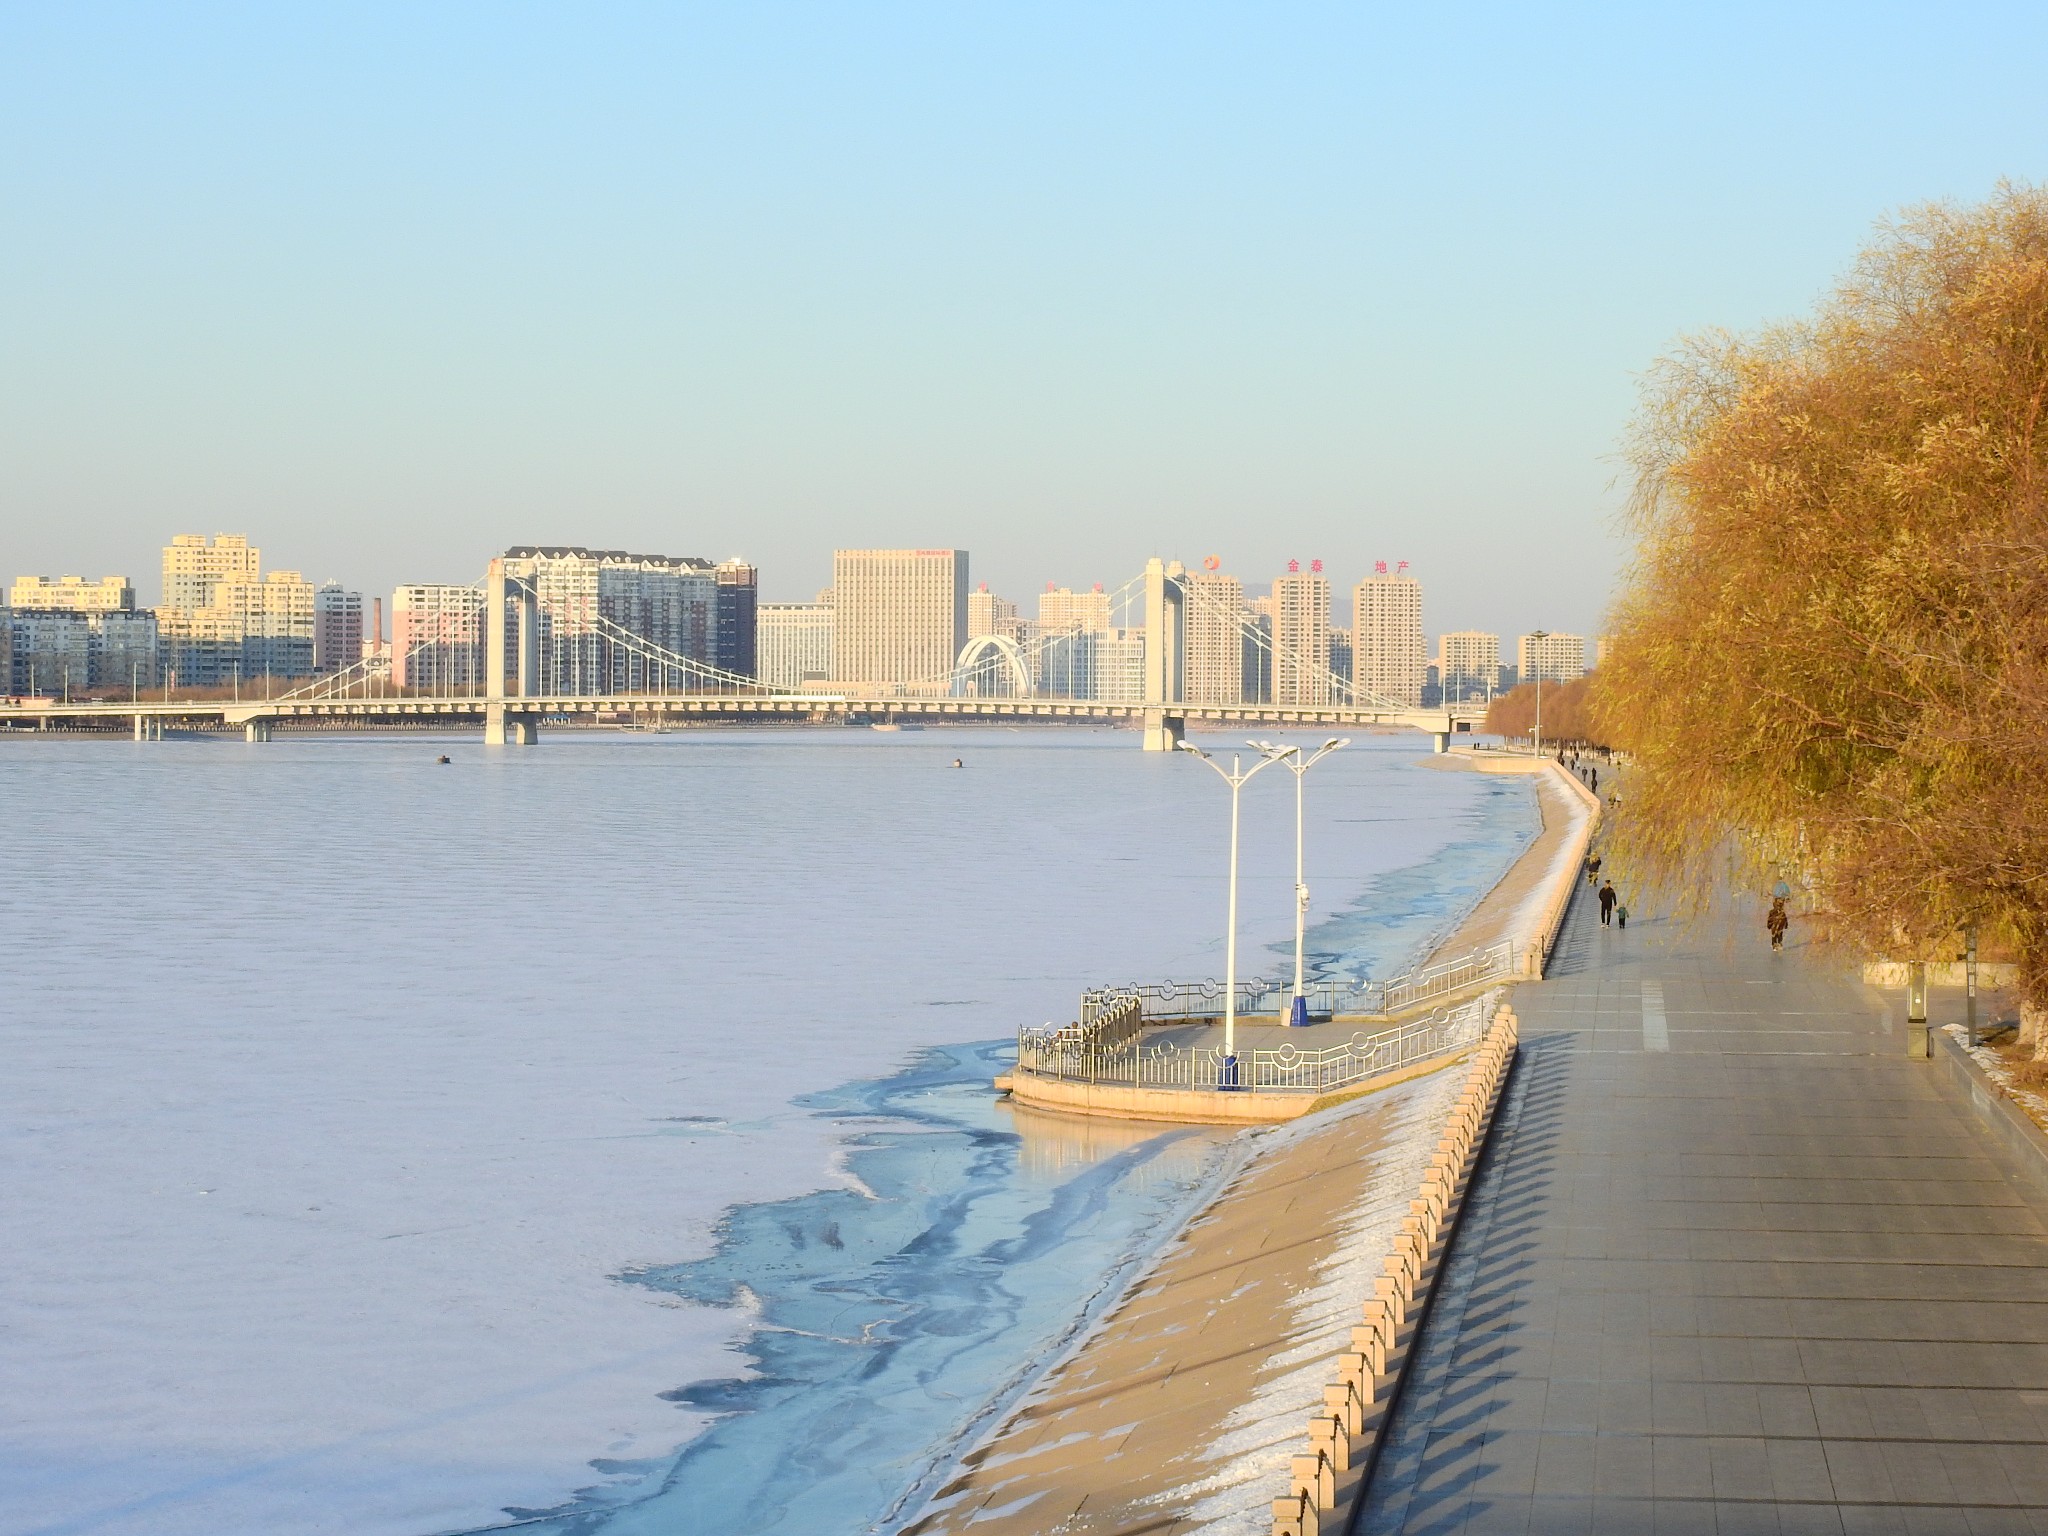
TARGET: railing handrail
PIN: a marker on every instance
(1115, 1055)
(1203, 998)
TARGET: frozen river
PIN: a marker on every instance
(572, 1136)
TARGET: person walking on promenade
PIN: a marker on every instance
(1776, 921)
(1595, 771)
(1593, 870)
(1607, 901)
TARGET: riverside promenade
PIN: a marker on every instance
(1733, 1264)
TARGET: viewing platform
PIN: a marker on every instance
(1155, 1052)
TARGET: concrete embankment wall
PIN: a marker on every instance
(1547, 874)
(1192, 1106)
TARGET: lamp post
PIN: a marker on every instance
(1297, 1011)
(1227, 1077)
(1536, 655)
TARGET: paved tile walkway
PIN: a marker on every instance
(1735, 1264)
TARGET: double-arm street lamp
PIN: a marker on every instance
(1536, 654)
(1297, 1013)
(1236, 779)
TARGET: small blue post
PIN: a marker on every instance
(1226, 1074)
(1297, 1016)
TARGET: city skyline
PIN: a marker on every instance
(614, 621)
(1082, 595)
(1137, 282)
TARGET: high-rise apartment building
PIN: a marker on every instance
(1468, 664)
(437, 638)
(272, 621)
(1387, 659)
(1258, 650)
(899, 617)
(1062, 609)
(223, 620)
(1213, 647)
(1117, 666)
(988, 614)
(1301, 638)
(195, 566)
(795, 648)
(1340, 653)
(71, 634)
(50, 652)
(1600, 645)
(72, 594)
(338, 627)
(613, 622)
(739, 601)
(1555, 657)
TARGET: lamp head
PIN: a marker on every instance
(1189, 746)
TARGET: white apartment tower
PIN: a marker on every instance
(1468, 664)
(1213, 647)
(899, 617)
(195, 566)
(1387, 658)
(1557, 657)
(223, 619)
(1060, 609)
(793, 644)
(1301, 637)
(988, 614)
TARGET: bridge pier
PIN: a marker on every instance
(256, 730)
(1164, 732)
(506, 727)
(1165, 664)
(1440, 741)
(508, 651)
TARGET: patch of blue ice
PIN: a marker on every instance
(894, 1321)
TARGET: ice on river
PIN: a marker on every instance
(364, 1118)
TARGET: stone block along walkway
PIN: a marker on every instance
(1734, 1264)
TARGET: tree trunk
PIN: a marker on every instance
(2032, 1017)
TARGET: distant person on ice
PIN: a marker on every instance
(1607, 901)
(1777, 921)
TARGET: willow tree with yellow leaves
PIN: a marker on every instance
(1832, 651)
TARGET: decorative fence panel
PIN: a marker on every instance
(1117, 1056)
(1328, 998)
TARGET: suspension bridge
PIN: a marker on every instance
(529, 668)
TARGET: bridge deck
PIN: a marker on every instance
(1735, 1264)
(735, 706)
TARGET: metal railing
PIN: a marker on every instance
(1333, 997)
(1117, 1057)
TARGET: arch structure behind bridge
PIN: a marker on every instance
(984, 652)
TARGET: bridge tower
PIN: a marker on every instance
(503, 721)
(1165, 654)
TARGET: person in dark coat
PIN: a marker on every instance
(1607, 901)
(1776, 921)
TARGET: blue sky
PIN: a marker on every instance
(389, 287)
